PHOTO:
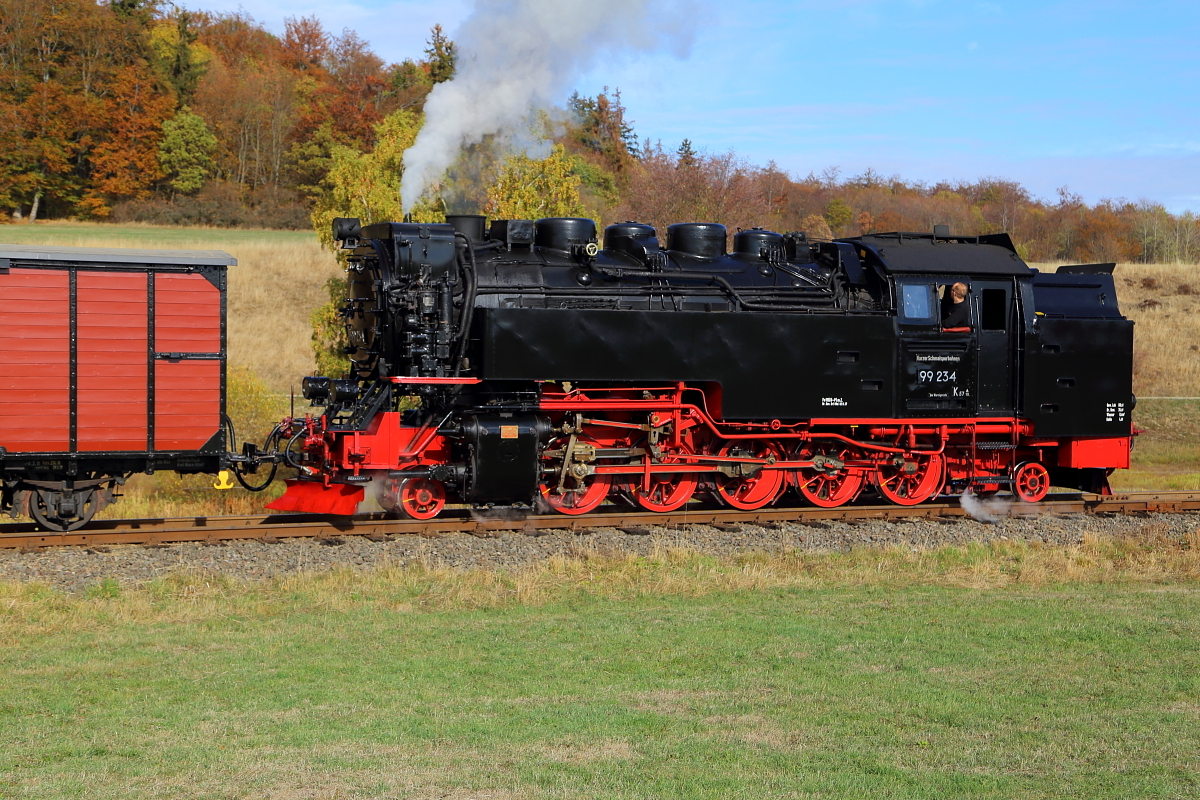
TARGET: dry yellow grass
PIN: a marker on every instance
(272, 293)
(1163, 300)
(1149, 556)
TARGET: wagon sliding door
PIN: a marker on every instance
(188, 357)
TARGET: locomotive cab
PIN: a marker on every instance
(965, 369)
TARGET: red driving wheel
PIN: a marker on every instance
(667, 491)
(908, 480)
(421, 498)
(749, 492)
(829, 486)
(578, 496)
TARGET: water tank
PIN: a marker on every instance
(702, 239)
(559, 233)
(755, 240)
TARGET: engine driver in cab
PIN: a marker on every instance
(958, 312)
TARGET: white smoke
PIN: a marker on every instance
(516, 57)
(990, 510)
(372, 495)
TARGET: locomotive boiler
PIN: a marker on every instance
(529, 363)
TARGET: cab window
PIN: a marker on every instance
(993, 310)
(916, 302)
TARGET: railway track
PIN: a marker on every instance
(280, 526)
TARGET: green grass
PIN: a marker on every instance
(85, 234)
(635, 678)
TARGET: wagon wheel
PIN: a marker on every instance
(1031, 481)
(419, 498)
(749, 492)
(86, 503)
(667, 490)
(579, 496)
(828, 485)
(912, 479)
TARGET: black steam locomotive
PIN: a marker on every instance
(524, 363)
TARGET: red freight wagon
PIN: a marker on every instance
(112, 362)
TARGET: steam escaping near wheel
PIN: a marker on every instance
(500, 512)
(990, 510)
(518, 57)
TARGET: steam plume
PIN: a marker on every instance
(518, 56)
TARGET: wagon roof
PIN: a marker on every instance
(116, 255)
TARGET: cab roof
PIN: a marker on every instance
(899, 252)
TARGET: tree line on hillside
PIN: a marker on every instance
(135, 111)
(123, 109)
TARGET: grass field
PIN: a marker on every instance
(1002, 672)
(1166, 455)
(1164, 302)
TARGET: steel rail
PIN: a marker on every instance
(484, 523)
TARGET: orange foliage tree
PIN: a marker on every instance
(125, 159)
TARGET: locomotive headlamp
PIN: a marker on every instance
(343, 391)
(346, 229)
(315, 389)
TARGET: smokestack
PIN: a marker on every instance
(518, 56)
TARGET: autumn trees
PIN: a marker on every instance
(687, 186)
(104, 105)
(81, 106)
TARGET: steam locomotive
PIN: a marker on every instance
(527, 363)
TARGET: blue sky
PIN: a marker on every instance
(1101, 97)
